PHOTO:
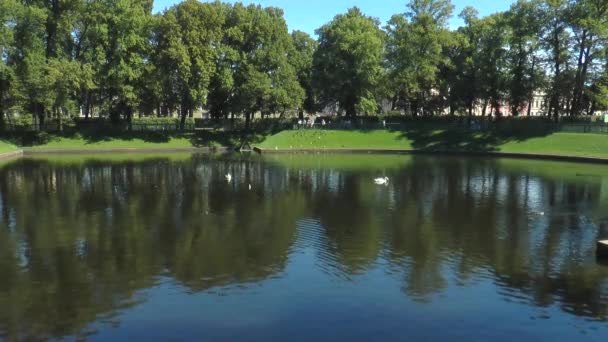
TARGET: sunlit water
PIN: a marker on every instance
(163, 248)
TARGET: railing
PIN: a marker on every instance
(597, 128)
(505, 125)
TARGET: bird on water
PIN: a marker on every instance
(381, 181)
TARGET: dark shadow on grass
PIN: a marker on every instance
(434, 139)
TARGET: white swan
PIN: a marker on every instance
(249, 186)
(228, 178)
(381, 181)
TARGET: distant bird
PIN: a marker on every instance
(228, 178)
(381, 181)
(249, 186)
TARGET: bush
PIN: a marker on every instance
(21, 122)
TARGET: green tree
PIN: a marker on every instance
(118, 36)
(8, 17)
(492, 62)
(589, 23)
(29, 62)
(415, 51)
(302, 60)
(555, 40)
(189, 32)
(466, 85)
(254, 73)
(524, 24)
(348, 62)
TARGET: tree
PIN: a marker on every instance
(589, 22)
(492, 62)
(8, 17)
(189, 32)
(555, 39)
(302, 60)
(524, 25)
(416, 42)
(253, 71)
(62, 78)
(348, 62)
(118, 36)
(29, 61)
(466, 86)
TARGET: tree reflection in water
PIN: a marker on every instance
(79, 239)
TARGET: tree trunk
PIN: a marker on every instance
(129, 119)
(555, 95)
(580, 73)
(532, 80)
(183, 116)
(60, 119)
(39, 112)
(247, 120)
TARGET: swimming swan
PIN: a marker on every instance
(381, 181)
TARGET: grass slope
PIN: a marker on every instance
(7, 147)
(320, 139)
(134, 140)
(79, 143)
(564, 144)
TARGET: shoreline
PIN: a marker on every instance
(28, 151)
(35, 151)
(531, 156)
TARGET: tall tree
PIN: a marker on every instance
(492, 62)
(464, 82)
(302, 60)
(415, 48)
(189, 33)
(254, 73)
(555, 40)
(524, 24)
(8, 18)
(119, 37)
(348, 62)
(589, 22)
(29, 61)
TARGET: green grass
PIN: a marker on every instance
(7, 147)
(570, 144)
(126, 140)
(560, 144)
(79, 143)
(131, 140)
(321, 139)
(79, 158)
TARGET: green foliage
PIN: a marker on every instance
(301, 57)
(114, 59)
(348, 62)
(416, 41)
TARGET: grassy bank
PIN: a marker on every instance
(134, 140)
(561, 144)
(7, 147)
(80, 143)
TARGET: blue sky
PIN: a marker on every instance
(308, 15)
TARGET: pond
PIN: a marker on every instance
(162, 247)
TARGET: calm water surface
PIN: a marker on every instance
(163, 248)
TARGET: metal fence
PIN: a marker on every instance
(505, 126)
